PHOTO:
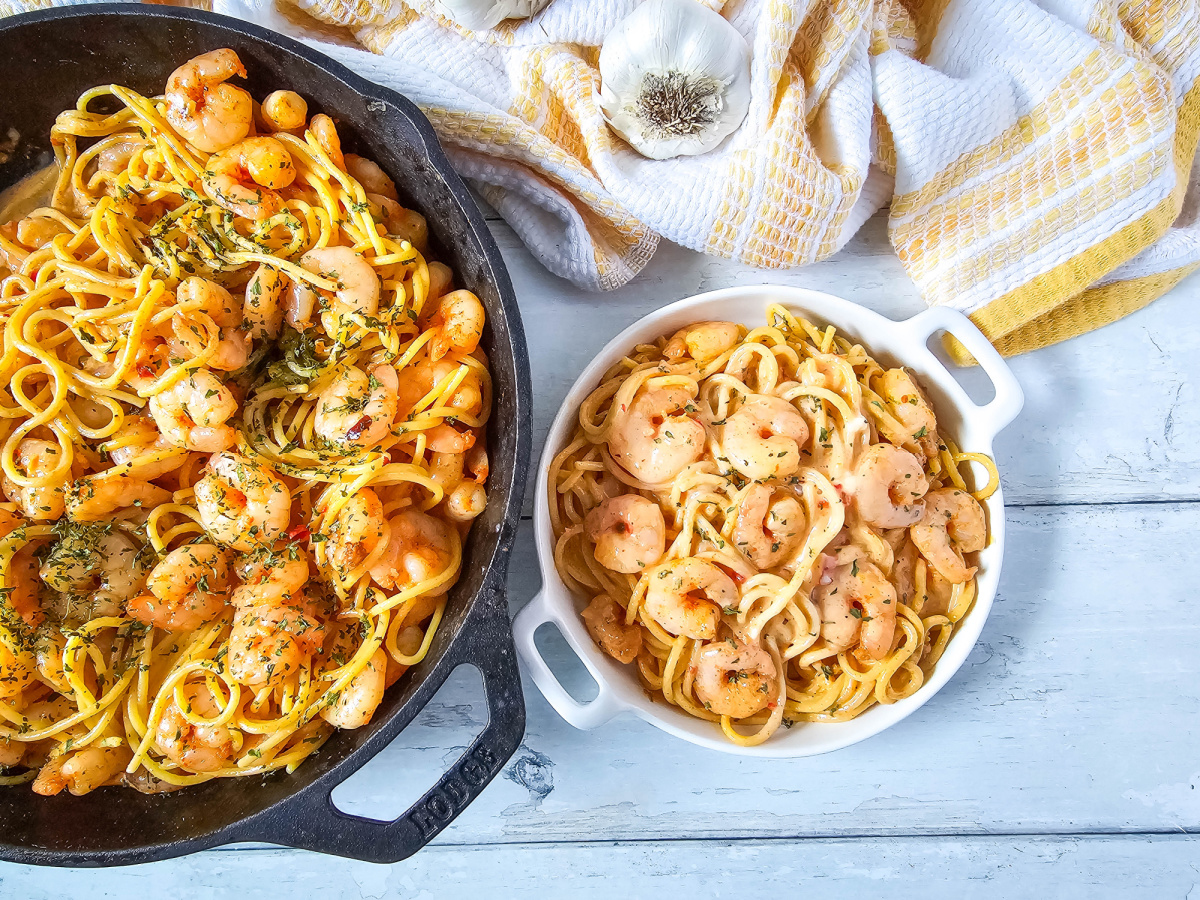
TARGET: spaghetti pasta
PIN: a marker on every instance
(241, 436)
(768, 522)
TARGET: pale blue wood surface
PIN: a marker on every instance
(1063, 868)
(1061, 761)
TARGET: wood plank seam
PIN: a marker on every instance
(774, 839)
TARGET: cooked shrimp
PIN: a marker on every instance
(49, 650)
(465, 503)
(372, 178)
(418, 548)
(356, 279)
(210, 114)
(233, 346)
(415, 381)
(888, 484)
(447, 438)
(839, 626)
(276, 627)
(953, 524)
(192, 413)
(103, 564)
(401, 222)
(857, 603)
(357, 408)
(465, 499)
(9, 522)
(605, 621)
(81, 771)
(188, 588)
(116, 156)
(358, 700)
(325, 132)
(23, 580)
(141, 450)
(383, 209)
(476, 462)
(440, 280)
(262, 310)
(242, 503)
(735, 679)
(41, 713)
(768, 527)
(911, 408)
(764, 437)
(151, 360)
(196, 748)
(245, 178)
(629, 533)
(457, 325)
(284, 111)
(13, 256)
(18, 667)
(28, 234)
(299, 303)
(686, 597)
(38, 459)
(657, 437)
(97, 497)
(356, 531)
(11, 752)
(703, 342)
(270, 643)
(273, 580)
(36, 231)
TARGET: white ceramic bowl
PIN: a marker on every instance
(895, 343)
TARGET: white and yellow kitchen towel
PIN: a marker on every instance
(1037, 155)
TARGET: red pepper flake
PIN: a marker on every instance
(772, 704)
(822, 504)
(145, 371)
(358, 428)
(300, 533)
(737, 576)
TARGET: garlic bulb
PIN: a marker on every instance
(675, 78)
(479, 15)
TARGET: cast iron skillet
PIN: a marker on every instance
(46, 60)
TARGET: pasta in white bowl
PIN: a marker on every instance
(725, 477)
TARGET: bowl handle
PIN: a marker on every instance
(310, 821)
(582, 715)
(1009, 399)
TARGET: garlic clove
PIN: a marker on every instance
(675, 78)
(480, 15)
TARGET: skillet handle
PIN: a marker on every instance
(314, 823)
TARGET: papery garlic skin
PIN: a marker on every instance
(480, 15)
(675, 78)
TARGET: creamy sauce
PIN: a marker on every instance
(30, 193)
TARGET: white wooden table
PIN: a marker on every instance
(1063, 760)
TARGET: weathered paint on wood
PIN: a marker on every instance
(935, 868)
